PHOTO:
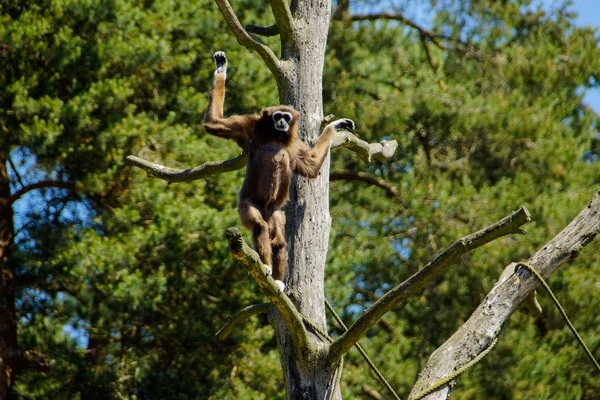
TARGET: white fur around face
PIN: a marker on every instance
(282, 120)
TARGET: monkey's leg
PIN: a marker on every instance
(279, 245)
(252, 219)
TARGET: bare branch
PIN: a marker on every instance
(507, 225)
(249, 40)
(363, 177)
(365, 150)
(512, 289)
(400, 18)
(241, 316)
(250, 260)
(38, 185)
(285, 22)
(187, 175)
(268, 31)
(379, 151)
(423, 32)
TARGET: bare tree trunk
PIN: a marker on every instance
(308, 219)
(8, 328)
(311, 366)
(309, 370)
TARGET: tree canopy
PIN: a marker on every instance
(122, 281)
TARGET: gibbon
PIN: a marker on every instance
(274, 152)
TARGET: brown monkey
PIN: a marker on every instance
(274, 152)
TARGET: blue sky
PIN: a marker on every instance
(588, 10)
(589, 14)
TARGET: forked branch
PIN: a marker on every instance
(249, 40)
(486, 322)
(508, 225)
(285, 22)
(250, 260)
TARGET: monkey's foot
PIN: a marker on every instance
(221, 62)
(268, 270)
(280, 285)
(344, 124)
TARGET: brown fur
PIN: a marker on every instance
(272, 157)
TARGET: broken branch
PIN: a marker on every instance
(379, 151)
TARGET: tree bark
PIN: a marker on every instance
(308, 219)
(311, 367)
(303, 28)
(512, 288)
(8, 329)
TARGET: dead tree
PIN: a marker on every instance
(310, 363)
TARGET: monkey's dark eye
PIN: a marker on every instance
(286, 116)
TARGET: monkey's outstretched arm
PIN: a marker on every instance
(235, 127)
(309, 161)
(216, 98)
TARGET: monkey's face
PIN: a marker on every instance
(282, 120)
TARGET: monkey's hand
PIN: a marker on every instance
(280, 285)
(343, 124)
(221, 62)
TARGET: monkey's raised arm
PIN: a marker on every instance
(309, 161)
(236, 127)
